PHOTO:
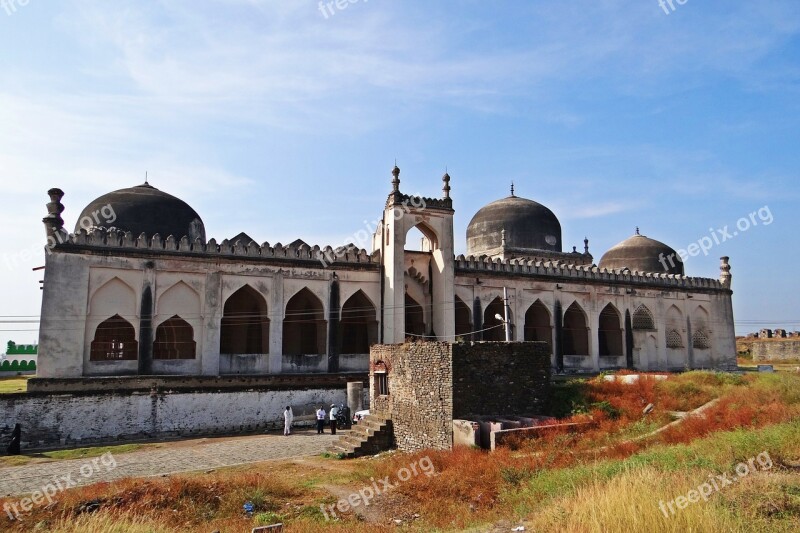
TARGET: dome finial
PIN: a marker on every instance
(586, 245)
(512, 188)
(145, 178)
(637, 230)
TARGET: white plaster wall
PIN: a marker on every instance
(51, 420)
(712, 312)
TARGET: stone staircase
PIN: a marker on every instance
(369, 436)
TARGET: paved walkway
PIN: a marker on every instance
(173, 457)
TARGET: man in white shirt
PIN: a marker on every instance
(320, 421)
(334, 412)
(288, 418)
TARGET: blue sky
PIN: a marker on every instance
(268, 117)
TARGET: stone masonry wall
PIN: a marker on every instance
(498, 378)
(420, 401)
(431, 383)
(776, 350)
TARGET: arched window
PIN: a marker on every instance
(700, 340)
(463, 317)
(643, 318)
(493, 328)
(576, 334)
(359, 329)
(114, 340)
(304, 328)
(537, 324)
(674, 339)
(174, 340)
(609, 334)
(415, 318)
(245, 324)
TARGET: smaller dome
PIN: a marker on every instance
(642, 254)
(143, 209)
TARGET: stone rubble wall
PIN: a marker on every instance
(498, 378)
(420, 401)
(430, 382)
(781, 350)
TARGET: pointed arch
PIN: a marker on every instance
(304, 325)
(358, 326)
(415, 318)
(493, 328)
(179, 299)
(575, 331)
(609, 332)
(431, 238)
(463, 318)
(114, 297)
(700, 318)
(538, 324)
(674, 339)
(245, 323)
(174, 340)
(114, 340)
(700, 340)
(643, 319)
(674, 316)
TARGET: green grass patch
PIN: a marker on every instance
(77, 453)
(720, 452)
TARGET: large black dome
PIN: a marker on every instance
(143, 209)
(528, 225)
(640, 253)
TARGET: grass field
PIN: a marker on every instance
(14, 384)
(77, 453)
(599, 480)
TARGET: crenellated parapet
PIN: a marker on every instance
(581, 273)
(105, 238)
(402, 200)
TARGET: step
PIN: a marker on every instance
(353, 440)
(341, 449)
(363, 431)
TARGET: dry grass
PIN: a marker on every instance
(589, 481)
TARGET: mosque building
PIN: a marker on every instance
(138, 289)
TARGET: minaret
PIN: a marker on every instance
(446, 187)
(53, 223)
(725, 276)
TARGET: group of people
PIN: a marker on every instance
(322, 416)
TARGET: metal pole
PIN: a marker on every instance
(506, 314)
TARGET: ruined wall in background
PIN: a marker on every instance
(776, 350)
